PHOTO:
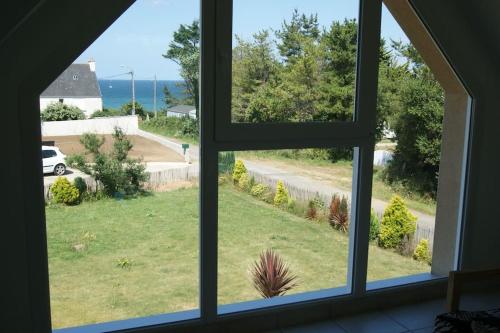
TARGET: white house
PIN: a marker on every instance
(182, 111)
(76, 86)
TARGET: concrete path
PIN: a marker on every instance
(275, 174)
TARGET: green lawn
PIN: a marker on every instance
(168, 131)
(158, 236)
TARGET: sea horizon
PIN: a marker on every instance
(117, 92)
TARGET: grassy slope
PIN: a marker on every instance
(159, 235)
(168, 131)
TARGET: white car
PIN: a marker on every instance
(53, 160)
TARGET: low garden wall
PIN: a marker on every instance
(105, 125)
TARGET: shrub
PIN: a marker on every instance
(239, 169)
(226, 162)
(116, 172)
(64, 192)
(422, 252)
(271, 276)
(126, 109)
(107, 113)
(80, 184)
(339, 213)
(374, 226)
(281, 197)
(258, 190)
(397, 222)
(244, 182)
(312, 212)
(78, 161)
(58, 111)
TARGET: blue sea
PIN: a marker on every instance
(115, 93)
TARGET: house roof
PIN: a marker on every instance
(182, 109)
(76, 81)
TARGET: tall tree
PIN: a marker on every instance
(418, 126)
(185, 51)
(293, 33)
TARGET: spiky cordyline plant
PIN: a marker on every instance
(271, 276)
(339, 213)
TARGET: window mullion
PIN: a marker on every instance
(366, 102)
(208, 163)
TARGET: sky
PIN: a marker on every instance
(141, 35)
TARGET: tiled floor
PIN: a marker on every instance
(416, 318)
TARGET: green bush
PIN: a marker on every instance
(77, 161)
(64, 192)
(126, 109)
(422, 252)
(258, 190)
(374, 226)
(81, 185)
(397, 223)
(226, 162)
(244, 182)
(58, 111)
(281, 198)
(239, 169)
(107, 113)
(117, 173)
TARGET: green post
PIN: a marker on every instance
(185, 146)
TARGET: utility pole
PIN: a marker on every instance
(133, 92)
(133, 86)
(154, 99)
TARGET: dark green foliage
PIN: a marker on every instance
(78, 161)
(107, 113)
(418, 127)
(121, 145)
(58, 111)
(175, 126)
(117, 173)
(80, 184)
(226, 162)
(271, 276)
(92, 142)
(374, 226)
(185, 51)
(126, 109)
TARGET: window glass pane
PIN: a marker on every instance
(122, 221)
(408, 155)
(296, 62)
(279, 203)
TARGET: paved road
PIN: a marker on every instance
(297, 181)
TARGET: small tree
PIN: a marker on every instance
(422, 252)
(139, 109)
(397, 222)
(58, 111)
(239, 169)
(281, 197)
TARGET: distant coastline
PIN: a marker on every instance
(115, 93)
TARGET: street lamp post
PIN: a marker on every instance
(133, 87)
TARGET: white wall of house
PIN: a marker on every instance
(87, 104)
(129, 124)
(192, 114)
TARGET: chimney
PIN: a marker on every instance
(92, 64)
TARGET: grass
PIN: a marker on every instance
(339, 175)
(168, 131)
(112, 259)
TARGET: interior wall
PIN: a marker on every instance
(457, 26)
